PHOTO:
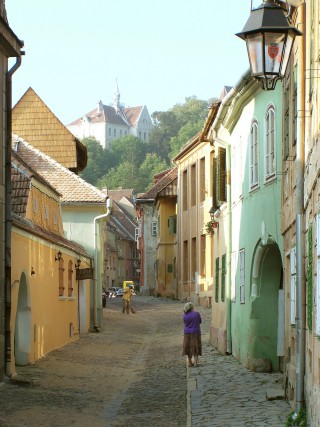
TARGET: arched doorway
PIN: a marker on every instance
(22, 332)
(267, 307)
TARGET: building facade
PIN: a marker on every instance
(106, 123)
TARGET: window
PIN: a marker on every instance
(202, 267)
(109, 131)
(193, 184)
(136, 233)
(293, 282)
(172, 224)
(70, 279)
(202, 179)
(221, 182)
(121, 133)
(185, 261)
(61, 277)
(270, 166)
(254, 155)
(242, 276)
(154, 228)
(193, 257)
(114, 132)
(35, 204)
(185, 190)
(223, 277)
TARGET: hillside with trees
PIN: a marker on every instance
(132, 163)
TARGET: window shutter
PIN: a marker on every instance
(217, 281)
(172, 224)
(221, 175)
(223, 277)
(214, 183)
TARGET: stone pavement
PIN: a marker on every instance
(222, 393)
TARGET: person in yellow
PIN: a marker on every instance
(126, 300)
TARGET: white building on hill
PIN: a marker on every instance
(107, 123)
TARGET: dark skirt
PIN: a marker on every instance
(192, 345)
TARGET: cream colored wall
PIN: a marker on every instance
(166, 249)
(312, 205)
(191, 223)
(51, 317)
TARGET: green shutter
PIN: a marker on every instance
(214, 183)
(223, 277)
(217, 281)
(309, 290)
(221, 175)
(172, 224)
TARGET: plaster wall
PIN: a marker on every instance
(255, 219)
(52, 320)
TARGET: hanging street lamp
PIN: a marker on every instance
(269, 38)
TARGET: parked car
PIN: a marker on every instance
(119, 292)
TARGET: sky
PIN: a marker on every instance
(158, 52)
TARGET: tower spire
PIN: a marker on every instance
(116, 98)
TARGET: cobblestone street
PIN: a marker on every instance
(132, 374)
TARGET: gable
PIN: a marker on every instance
(35, 122)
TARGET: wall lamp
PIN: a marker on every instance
(32, 271)
(77, 263)
(58, 257)
(269, 37)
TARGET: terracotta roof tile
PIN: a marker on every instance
(162, 183)
(72, 188)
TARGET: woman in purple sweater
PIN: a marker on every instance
(192, 334)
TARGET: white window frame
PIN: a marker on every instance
(242, 276)
(154, 227)
(270, 143)
(254, 155)
(293, 285)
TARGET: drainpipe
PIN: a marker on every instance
(8, 220)
(300, 233)
(226, 145)
(95, 305)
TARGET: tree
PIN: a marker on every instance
(175, 127)
(152, 165)
(96, 166)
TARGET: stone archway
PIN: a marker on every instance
(22, 333)
(266, 312)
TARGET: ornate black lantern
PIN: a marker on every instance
(269, 38)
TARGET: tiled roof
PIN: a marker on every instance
(124, 222)
(161, 184)
(21, 175)
(34, 121)
(117, 194)
(133, 114)
(109, 114)
(72, 188)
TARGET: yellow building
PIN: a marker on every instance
(49, 305)
(195, 241)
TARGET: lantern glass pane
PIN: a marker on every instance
(274, 43)
(287, 50)
(255, 49)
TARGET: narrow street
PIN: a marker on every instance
(132, 374)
